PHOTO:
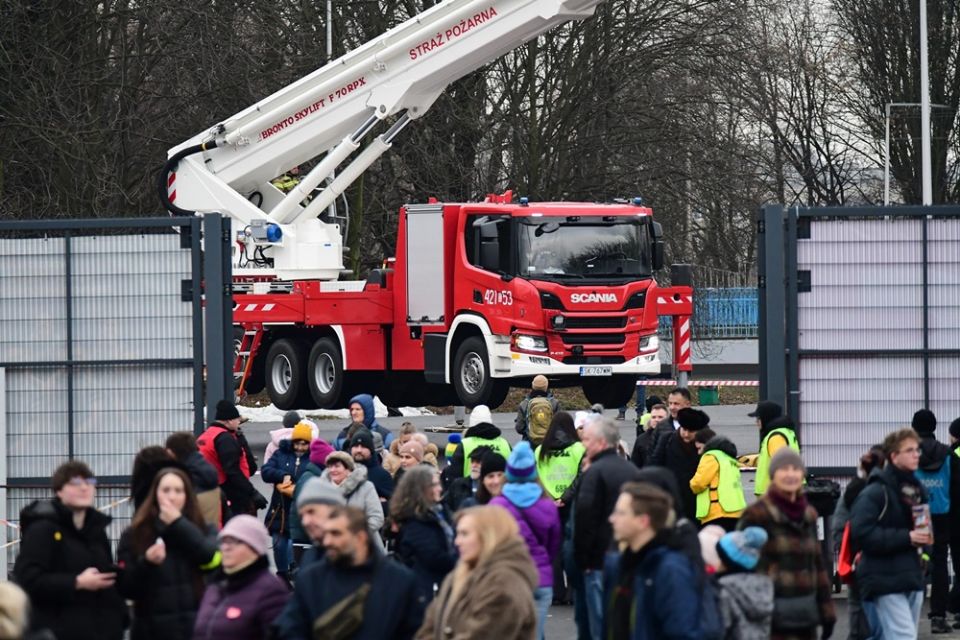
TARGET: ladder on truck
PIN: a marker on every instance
(329, 112)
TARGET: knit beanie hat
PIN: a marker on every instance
(364, 439)
(316, 491)
(924, 422)
(319, 450)
(521, 465)
(453, 440)
(302, 432)
(709, 536)
(226, 410)
(785, 457)
(740, 550)
(342, 457)
(377, 442)
(413, 448)
(692, 419)
(290, 419)
(492, 462)
(540, 383)
(955, 428)
(480, 415)
(247, 530)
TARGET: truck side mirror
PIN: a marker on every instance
(657, 247)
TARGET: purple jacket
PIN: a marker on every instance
(241, 606)
(540, 528)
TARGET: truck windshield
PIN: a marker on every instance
(558, 249)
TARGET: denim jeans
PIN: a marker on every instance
(282, 552)
(593, 589)
(895, 616)
(543, 598)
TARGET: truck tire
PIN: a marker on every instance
(611, 393)
(325, 375)
(286, 375)
(472, 377)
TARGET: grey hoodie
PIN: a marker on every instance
(746, 604)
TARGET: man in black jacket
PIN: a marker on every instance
(65, 563)
(678, 452)
(363, 451)
(596, 496)
(890, 573)
(934, 474)
(391, 609)
(656, 426)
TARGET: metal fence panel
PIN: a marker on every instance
(868, 330)
(866, 285)
(102, 343)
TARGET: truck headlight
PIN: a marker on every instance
(523, 342)
(649, 343)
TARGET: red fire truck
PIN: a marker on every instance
(479, 297)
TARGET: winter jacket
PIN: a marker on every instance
(279, 435)
(237, 489)
(682, 459)
(422, 545)
(666, 600)
(541, 530)
(955, 485)
(297, 534)
(880, 525)
(166, 596)
(378, 476)
(365, 400)
(746, 605)
(359, 493)
(284, 462)
(792, 556)
(643, 447)
(392, 609)
(707, 478)
(496, 600)
(520, 422)
(202, 474)
(841, 514)
(460, 490)
(241, 606)
(597, 494)
(52, 554)
(484, 430)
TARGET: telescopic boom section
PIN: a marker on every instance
(333, 108)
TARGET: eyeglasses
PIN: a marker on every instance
(79, 482)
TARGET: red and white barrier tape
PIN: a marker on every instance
(699, 383)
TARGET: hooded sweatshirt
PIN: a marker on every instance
(746, 604)
(932, 474)
(365, 400)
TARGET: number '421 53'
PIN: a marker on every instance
(504, 298)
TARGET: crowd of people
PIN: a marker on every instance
(376, 535)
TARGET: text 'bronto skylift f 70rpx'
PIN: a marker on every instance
(480, 296)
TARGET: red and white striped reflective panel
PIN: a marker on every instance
(251, 307)
(171, 186)
(700, 383)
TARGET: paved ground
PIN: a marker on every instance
(730, 421)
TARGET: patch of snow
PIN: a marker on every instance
(270, 413)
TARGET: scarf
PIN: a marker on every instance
(441, 516)
(794, 510)
(522, 494)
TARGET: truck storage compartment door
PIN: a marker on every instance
(425, 268)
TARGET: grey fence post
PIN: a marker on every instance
(217, 276)
(770, 285)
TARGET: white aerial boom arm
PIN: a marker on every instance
(228, 169)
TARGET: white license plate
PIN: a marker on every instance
(596, 371)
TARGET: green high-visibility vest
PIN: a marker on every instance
(498, 444)
(729, 490)
(763, 462)
(558, 470)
